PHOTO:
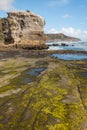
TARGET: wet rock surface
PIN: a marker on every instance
(55, 99)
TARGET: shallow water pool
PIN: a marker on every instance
(31, 74)
(35, 71)
(84, 74)
(70, 56)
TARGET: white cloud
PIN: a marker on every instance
(53, 30)
(82, 34)
(6, 5)
(66, 16)
(58, 2)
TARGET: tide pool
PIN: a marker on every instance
(70, 56)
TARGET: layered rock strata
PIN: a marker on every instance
(24, 29)
(1, 33)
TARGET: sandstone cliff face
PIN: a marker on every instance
(1, 33)
(24, 28)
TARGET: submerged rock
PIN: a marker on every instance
(24, 28)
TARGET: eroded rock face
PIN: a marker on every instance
(24, 28)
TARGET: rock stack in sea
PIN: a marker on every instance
(24, 29)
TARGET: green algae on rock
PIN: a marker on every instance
(55, 100)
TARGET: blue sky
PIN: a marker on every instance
(66, 16)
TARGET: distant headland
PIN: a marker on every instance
(61, 37)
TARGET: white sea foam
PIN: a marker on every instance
(80, 46)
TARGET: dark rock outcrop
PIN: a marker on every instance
(24, 28)
(60, 37)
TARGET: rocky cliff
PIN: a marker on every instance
(61, 37)
(1, 33)
(24, 29)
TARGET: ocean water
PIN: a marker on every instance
(78, 46)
